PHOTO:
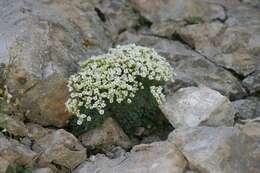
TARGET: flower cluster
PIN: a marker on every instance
(116, 77)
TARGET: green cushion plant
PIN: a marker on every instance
(125, 83)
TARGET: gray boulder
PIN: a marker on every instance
(42, 43)
(57, 146)
(221, 149)
(110, 134)
(12, 126)
(16, 153)
(219, 44)
(3, 165)
(157, 157)
(248, 108)
(117, 15)
(252, 82)
(192, 106)
(176, 10)
(42, 170)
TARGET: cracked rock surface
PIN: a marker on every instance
(213, 105)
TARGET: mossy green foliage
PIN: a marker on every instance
(96, 121)
(17, 168)
(142, 112)
(194, 20)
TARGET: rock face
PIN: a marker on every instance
(42, 170)
(218, 41)
(252, 82)
(248, 108)
(57, 146)
(160, 157)
(192, 106)
(209, 43)
(118, 15)
(13, 152)
(42, 43)
(176, 10)
(189, 66)
(108, 135)
(3, 165)
(221, 149)
(12, 125)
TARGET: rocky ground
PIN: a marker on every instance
(214, 103)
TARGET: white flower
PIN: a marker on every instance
(79, 122)
(101, 112)
(89, 118)
(129, 101)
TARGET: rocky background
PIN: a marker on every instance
(214, 103)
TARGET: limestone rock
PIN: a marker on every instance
(37, 132)
(42, 170)
(12, 125)
(109, 134)
(42, 42)
(118, 15)
(248, 108)
(3, 165)
(14, 152)
(201, 36)
(243, 15)
(219, 43)
(176, 10)
(192, 106)
(252, 82)
(221, 149)
(49, 96)
(254, 3)
(157, 157)
(60, 147)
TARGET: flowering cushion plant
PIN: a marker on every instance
(116, 77)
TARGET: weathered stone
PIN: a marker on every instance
(254, 3)
(243, 16)
(3, 165)
(108, 135)
(176, 10)
(242, 63)
(252, 82)
(160, 157)
(150, 139)
(26, 141)
(228, 4)
(14, 152)
(191, 172)
(221, 149)
(248, 108)
(202, 36)
(42, 41)
(42, 170)
(220, 45)
(60, 147)
(190, 107)
(36, 132)
(189, 65)
(118, 15)
(167, 28)
(12, 125)
(49, 97)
